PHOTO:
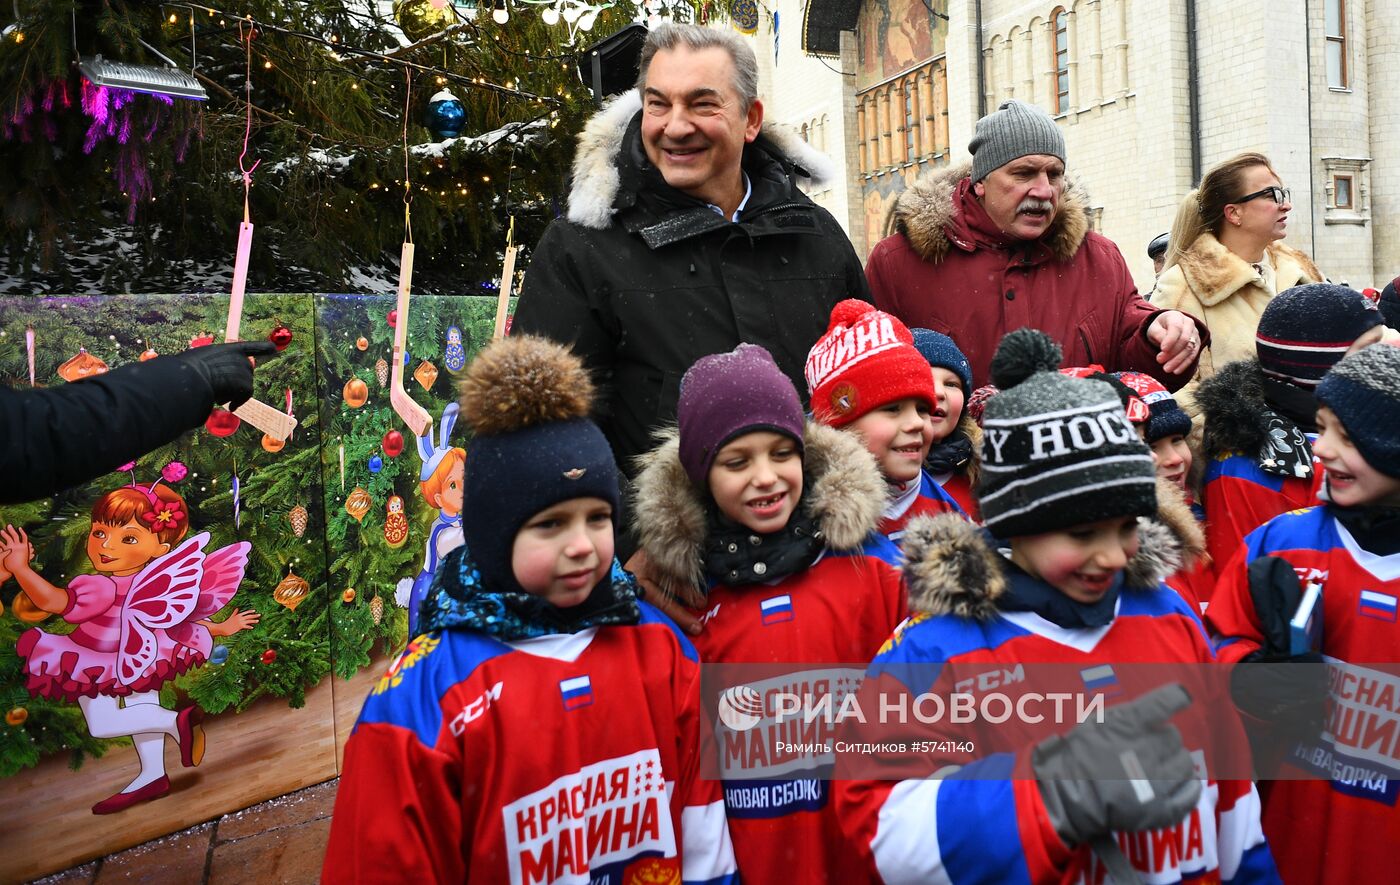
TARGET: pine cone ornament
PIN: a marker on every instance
(381, 373)
(298, 517)
(376, 610)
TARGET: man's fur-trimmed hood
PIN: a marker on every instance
(951, 568)
(924, 212)
(845, 492)
(1214, 273)
(597, 178)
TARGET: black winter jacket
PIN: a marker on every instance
(642, 280)
(58, 437)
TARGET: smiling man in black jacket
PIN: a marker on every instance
(686, 235)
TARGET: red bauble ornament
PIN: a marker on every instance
(148, 354)
(393, 318)
(222, 422)
(392, 443)
(269, 656)
(280, 337)
(203, 339)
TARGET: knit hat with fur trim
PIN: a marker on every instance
(1057, 451)
(1364, 391)
(526, 400)
(1305, 330)
(726, 395)
(942, 353)
(865, 360)
(1166, 418)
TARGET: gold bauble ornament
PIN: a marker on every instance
(358, 502)
(25, 609)
(297, 517)
(16, 716)
(362, 343)
(291, 591)
(356, 393)
(425, 374)
(272, 444)
(347, 595)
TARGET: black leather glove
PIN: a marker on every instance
(1271, 685)
(1130, 772)
(226, 369)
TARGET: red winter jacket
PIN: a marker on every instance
(950, 269)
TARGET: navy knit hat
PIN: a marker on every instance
(1057, 451)
(1306, 329)
(526, 400)
(1165, 417)
(724, 396)
(1389, 304)
(943, 353)
(1364, 391)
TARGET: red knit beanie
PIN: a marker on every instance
(865, 360)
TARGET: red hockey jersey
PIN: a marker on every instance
(1238, 496)
(837, 611)
(921, 498)
(987, 822)
(567, 758)
(1342, 825)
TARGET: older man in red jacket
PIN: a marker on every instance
(985, 250)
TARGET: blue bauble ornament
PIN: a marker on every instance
(376, 463)
(446, 115)
(219, 655)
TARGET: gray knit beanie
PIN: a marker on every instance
(1057, 451)
(1013, 131)
(1364, 392)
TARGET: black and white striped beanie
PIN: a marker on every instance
(1306, 329)
(1056, 451)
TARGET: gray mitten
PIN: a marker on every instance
(1129, 772)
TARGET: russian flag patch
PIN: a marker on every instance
(577, 692)
(776, 609)
(1100, 679)
(1375, 604)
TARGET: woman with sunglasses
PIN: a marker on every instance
(1225, 262)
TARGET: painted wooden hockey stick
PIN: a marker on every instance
(414, 415)
(269, 419)
(507, 283)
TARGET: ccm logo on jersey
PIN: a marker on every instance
(473, 710)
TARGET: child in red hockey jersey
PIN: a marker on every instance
(546, 726)
(866, 378)
(1166, 428)
(1257, 454)
(1061, 590)
(767, 524)
(954, 461)
(1334, 817)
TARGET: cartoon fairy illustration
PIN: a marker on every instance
(140, 621)
(440, 481)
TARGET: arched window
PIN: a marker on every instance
(1061, 84)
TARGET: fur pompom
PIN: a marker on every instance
(1021, 354)
(1232, 401)
(522, 381)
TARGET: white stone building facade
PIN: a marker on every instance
(1313, 84)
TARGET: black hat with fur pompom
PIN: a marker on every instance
(1057, 451)
(527, 401)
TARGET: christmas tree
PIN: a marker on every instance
(109, 190)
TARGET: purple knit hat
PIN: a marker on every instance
(726, 395)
